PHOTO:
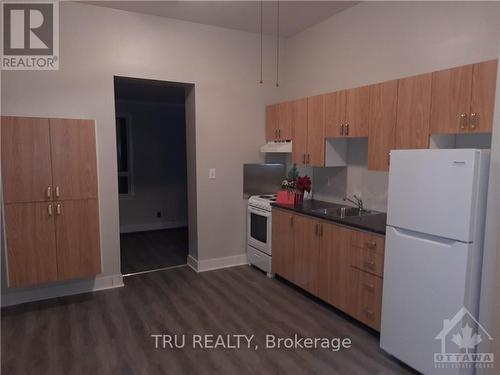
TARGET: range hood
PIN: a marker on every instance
(283, 147)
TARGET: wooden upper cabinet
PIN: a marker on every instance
(383, 109)
(299, 125)
(282, 243)
(31, 243)
(306, 253)
(77, 233)
(73, 159)
(285, 121)
(356, 117)
(484, 79)
(26, 160)
(272, 122)
(413, 114)
(335, 106)
(451, 98)
(316, 131)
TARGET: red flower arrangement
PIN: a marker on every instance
(294, 187)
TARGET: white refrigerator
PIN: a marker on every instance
(433, 255)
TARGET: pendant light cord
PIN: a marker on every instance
(261, 37)
(278, 44)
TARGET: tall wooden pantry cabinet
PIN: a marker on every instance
(49, 175)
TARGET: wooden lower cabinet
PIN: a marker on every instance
(31, 243)
(77, 233)
(343, 267)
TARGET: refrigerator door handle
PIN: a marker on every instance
(429, 237)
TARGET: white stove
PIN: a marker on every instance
(259, 231)
(262, 201)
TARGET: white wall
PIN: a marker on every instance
(158, 146)
(97, 43)
(378, 41)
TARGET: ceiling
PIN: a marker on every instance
(295, 16)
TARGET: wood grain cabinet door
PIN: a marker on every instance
(316, 131)
(74, 164)
(26, 161)
(77, 234)
(484, 79)
(306, 253)
(383, 107)
(31, 243)
(450, 102)
(282, 244)
(335, 107)
(285, 122)
(299, 124)
(334, 265)
(357, 112)
(272, 123)
(413, 115)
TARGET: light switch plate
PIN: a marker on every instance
(211, 173)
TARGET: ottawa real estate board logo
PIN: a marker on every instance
(459, 339)
(30, 35)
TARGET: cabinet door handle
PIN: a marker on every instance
(370, 313)
(275, 134)
(370, 287)
(303, 158)
(321, 230)
(371, 244)
(341, 129)
(58, 192)
(316, 229)
(308, 158)
(49, 209)
(49, 192)
(370, 265)
(347, 129)
(463, 121)
(474, 121)
(58, 209)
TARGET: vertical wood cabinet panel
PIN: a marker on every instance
(484, 78)
(283, 245)
(77, 233)
(31, 243)
(451, 96)
(299, 145)
(271, 122)
(334, 265)
(357, 112)
(335, 108)
(57, 239)
(316, 131)
(383, 107)
(413, 114)
(306, 253)
(73, 159)
(26, 161)
(285, 120)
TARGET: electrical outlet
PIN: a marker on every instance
(158, 214)
(211, 173)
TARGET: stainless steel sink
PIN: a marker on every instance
(341, 212)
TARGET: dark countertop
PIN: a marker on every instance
(371, 223)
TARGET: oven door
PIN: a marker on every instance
(259, 229)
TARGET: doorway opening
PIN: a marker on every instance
(152, 174)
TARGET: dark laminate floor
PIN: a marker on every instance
(109, 332)
(145, 251)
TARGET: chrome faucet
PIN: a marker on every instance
(358, 201)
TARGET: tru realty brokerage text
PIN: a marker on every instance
(245, 341)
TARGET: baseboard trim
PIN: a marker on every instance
(18, 296)
(132, 228)
(217, 263)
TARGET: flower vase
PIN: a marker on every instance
(299, 197)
